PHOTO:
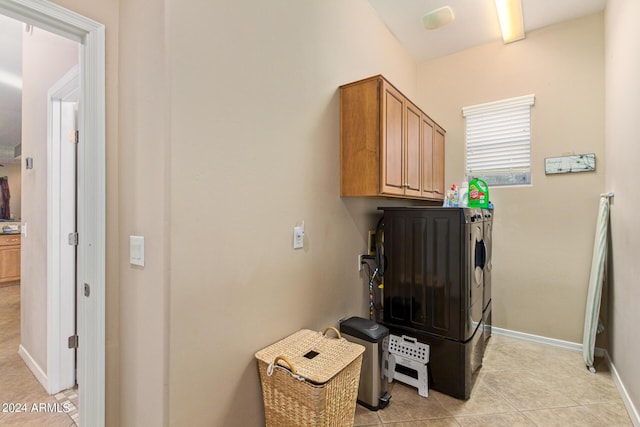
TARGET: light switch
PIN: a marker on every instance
(136, 250)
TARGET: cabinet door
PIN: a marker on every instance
(9, 263)
(413, 160)
(427, 157)
(438, 162)
(392, 141)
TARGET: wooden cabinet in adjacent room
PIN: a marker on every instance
(389, 147)
(9, 257)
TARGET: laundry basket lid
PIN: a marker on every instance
(313, 355)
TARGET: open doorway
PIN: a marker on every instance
(43, 210)
(89, 38)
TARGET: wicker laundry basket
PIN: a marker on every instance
(309, 379)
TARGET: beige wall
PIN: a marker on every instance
(238, 112)
(623, 151)
(254, 150)
(143, 195)
(45, 59)
(543, 233)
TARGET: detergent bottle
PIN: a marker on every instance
(451, 199)
(478, 194)
(463, 195)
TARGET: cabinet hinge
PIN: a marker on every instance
(73, 238)
(73, 341)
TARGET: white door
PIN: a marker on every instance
(61, 215)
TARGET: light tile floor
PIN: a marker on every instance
(69, 401)
(520, 384)
(23, 401)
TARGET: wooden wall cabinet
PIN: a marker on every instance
(9, 257)
(389, 147)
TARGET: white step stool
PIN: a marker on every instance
(408, 352)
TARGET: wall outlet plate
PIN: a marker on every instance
(298, 237)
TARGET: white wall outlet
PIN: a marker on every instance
(298, 237)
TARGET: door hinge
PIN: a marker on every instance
(87, 290)
(73, 341)
(73, 238)
(74, 136)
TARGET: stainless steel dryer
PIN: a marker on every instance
(486, 295)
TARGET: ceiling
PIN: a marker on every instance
(476, 22)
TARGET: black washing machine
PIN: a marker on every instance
(434, 288)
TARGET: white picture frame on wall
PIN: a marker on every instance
(570, 164)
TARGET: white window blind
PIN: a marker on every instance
(498, 136)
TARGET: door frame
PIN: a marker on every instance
(91, 191)
(61, 213)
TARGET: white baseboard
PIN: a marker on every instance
(631, 409)
(33, 366)
(568, 345)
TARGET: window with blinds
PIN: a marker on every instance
(498, 136)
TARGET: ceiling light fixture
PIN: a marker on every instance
(438, 18)
(10, 79)
(511, 21)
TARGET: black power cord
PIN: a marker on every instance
(373, 277)
(380, 264)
